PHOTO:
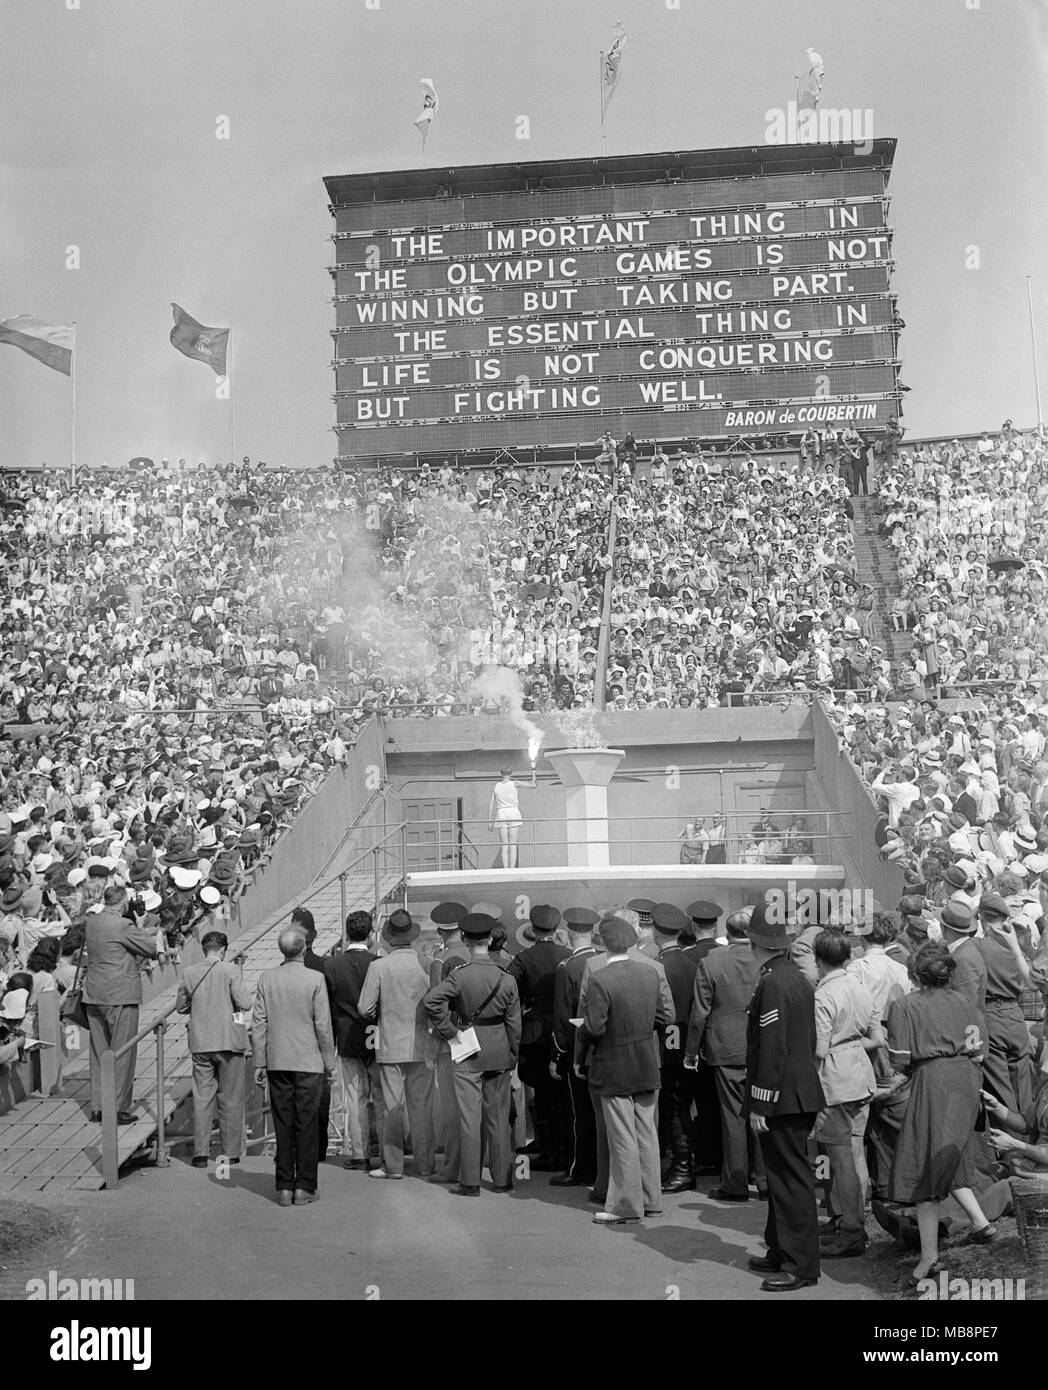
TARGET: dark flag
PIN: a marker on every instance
(195, 340)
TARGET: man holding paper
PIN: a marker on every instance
(477, 1010)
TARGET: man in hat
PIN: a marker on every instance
(212, 992)
(623, 1005)
(969, 978)
(453, 953)
(1006, 1061)
(293, 1050)
(481, 996)
(582, 1169)
(724, 985)
(675, 1131)
(534, 970)
(392, 994)
(784, 1095)
(303, 919)
(646, 944)
(704, 919)
(115, 950)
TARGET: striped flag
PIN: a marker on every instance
(613, 63)
(50, 343)
(430, 107)
(197, 341)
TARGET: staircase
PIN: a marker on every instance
(875, 565)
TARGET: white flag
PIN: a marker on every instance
(430, 107)
(811, 87)
(613, 64)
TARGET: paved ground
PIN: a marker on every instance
(181, 1233)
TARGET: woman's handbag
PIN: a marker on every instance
(73, 1009)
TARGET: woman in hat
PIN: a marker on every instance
(504, 815)
(933, 1036)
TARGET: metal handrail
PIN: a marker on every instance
(158, 1024)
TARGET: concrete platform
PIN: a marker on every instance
(730, 885)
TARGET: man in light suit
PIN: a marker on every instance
(393, 990)
(115, 949)
(624, 1004)
(212, 992)
(724, 986)
(294, 1050)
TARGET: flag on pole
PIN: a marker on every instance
(613, 63)
(430, 107)
(50, 343)
(811, 88)
(195, 340)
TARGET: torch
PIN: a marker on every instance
(534, 744)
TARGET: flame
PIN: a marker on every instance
(534, 744)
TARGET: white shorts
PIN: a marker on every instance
(507, 814)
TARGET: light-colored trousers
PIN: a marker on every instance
(218, 1077)
(362, 1083)
(407, 1089)
(634, 1179)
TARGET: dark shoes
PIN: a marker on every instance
(285, 1197)
(463, 1191)
(677, 1180)
(597, 1197)
(763, 1264)
(843, 1248)
(124, 1117)
(303, 1198)
(786, 1283)
(507, 1188)
(354, 1163)
(718, 1194)
(200, 1161)
(566, 1180)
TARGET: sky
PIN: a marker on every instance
(116, 197)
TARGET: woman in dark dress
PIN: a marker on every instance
(934, 1036)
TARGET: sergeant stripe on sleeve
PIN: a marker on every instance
(772, 1016)
(764, 1094)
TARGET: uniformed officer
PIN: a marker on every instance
(481, 996)
(581, 1170)
(518, 1105)
(1006, 1063)
(783, 1097)
(705, 918)
(534, 970)
(646, 943)
(451, 954)
(675, 1129)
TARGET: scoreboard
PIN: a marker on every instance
(700, 294)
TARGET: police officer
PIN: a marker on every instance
(481, 996)
(581, 1169)
(783, 1097)
(534, 970)
(451, 954)
(646, 944)
(675, 1097)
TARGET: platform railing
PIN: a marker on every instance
(393, 843)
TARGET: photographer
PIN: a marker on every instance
(117, 947)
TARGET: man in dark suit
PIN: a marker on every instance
(582, 1168)
(484, 997)
(303, 919)
(724, 985)
(534, 970)
(345, 974)
(675, 1099)
(705, 917)
(784, 1095)
(623, 1006)
(115, 949)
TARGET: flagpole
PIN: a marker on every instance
(603, 108)
(232, 398)
(1033, 344)
(72, 412)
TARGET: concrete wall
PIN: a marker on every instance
(679, 764)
